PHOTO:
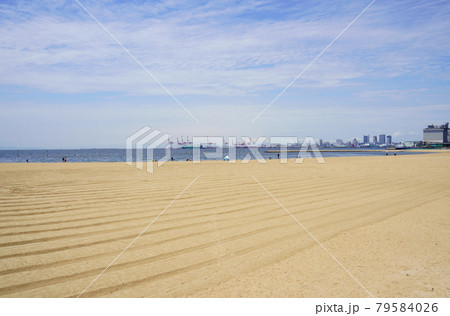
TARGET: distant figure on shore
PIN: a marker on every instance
(171, 159)
(64, 159)
(187, 159)
(27, 160)
(395, 154)
(387, 154)
(278, 156)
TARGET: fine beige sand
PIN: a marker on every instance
(385, 219)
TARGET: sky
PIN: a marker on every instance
(209, 68)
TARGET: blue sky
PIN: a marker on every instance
(65, 83)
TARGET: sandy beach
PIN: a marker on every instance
(377, 226)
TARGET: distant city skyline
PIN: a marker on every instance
(65, 82)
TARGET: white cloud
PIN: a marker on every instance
(194, 54)
(226, 61)
(396, 94)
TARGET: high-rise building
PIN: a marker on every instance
(389, 140)
(382, 139)
(339, 142)
(434, 134)
(366, 139)
(374, 140)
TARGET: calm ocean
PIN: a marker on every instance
(119, 155)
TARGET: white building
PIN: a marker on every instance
(434, 134)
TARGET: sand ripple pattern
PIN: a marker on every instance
(385, 218)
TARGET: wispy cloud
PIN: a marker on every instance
(393, 94)
(239, 54)
(205, 49)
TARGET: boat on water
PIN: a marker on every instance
(189, 145)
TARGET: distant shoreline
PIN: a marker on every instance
(119, 155)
